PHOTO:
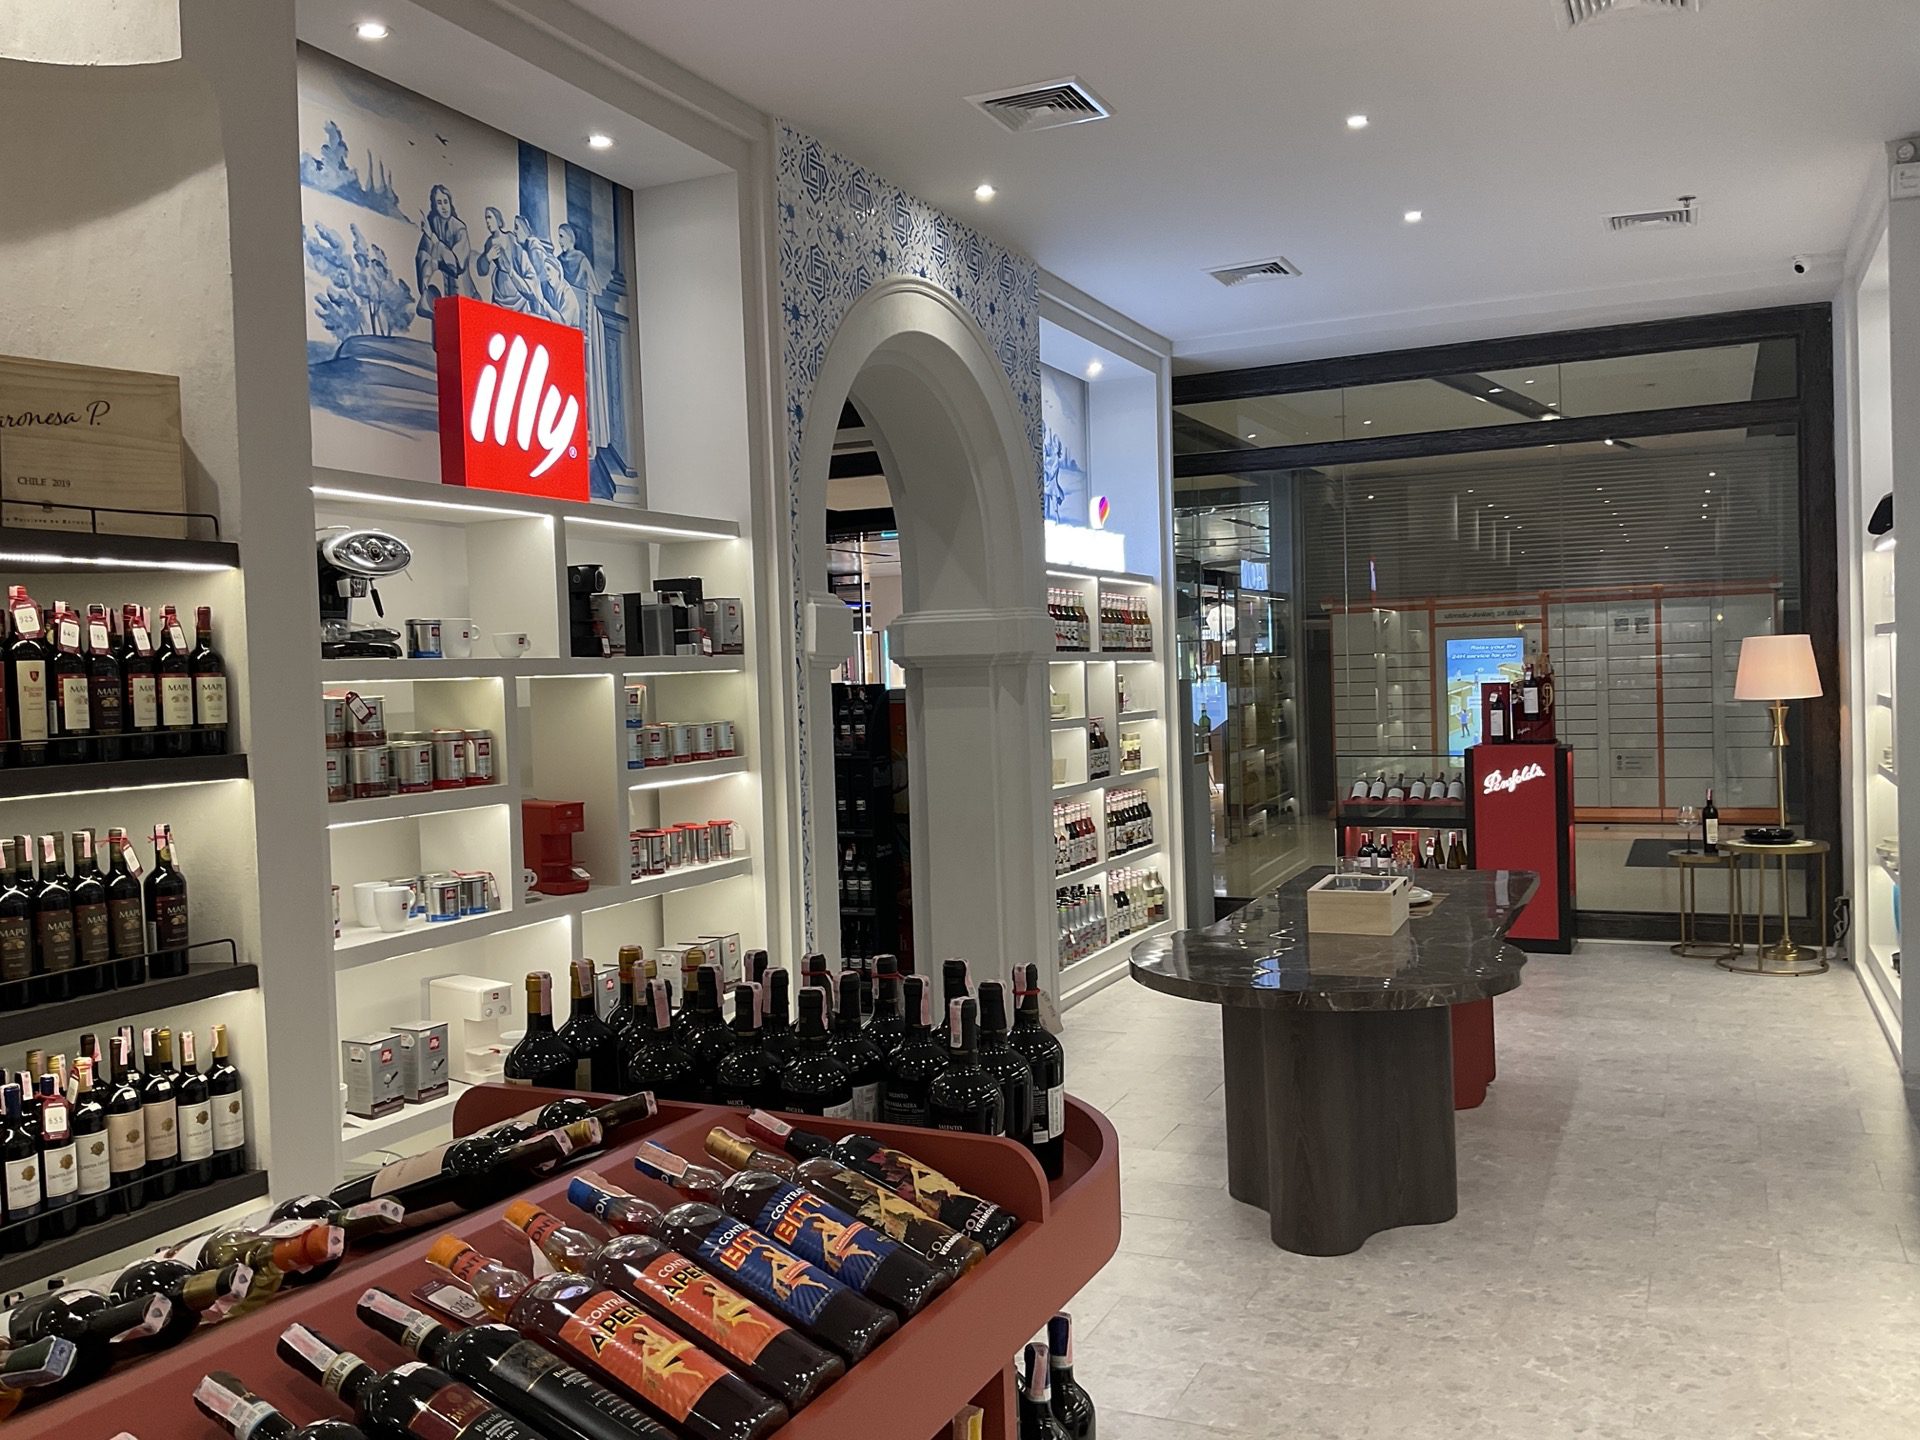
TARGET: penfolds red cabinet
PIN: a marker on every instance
(1520, 817)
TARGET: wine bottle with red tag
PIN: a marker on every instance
(28, 658)
(209, 673)
(140, 687)
(87, 1120)
(193, 1108)
(69, 711)
(59, 1161)
(126, 910)
(93, 944)
(413, 1402)
(106, 694)
(16, 928)
(226, 1401)
(165, 894)
(173, 674)
(53, 942)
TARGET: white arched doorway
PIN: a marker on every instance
(971, 636)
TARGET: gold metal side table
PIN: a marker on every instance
(1783, 957)
(1691, 863)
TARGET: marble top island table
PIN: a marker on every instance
(1339, 1050)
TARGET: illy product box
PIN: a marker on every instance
(374, 1074)
(636, 703)
(726, 624)
(726, 954)
(423, 1048)
(606, 989)
(612, 613)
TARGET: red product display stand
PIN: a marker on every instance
(958, 1351)
(1520, 817)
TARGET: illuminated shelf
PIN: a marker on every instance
(659, 777)
(38, 552)
(425, 802)
(1126, 717)
(390, 672)
(21, 781)
(687, 877)
(409, 1122)
(79, 1250)
(459, 505)
(202, 982)
(1069, 722)
(1120, 779)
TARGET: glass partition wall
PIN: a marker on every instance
(1355, 559)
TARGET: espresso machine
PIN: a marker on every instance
(350, 561)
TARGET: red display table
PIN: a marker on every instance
(956, 1352)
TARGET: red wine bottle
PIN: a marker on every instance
(126, 1132)
(1037, 1420)
(54, 948)
(28, 658)
(140, 702)
(165, 895)
(1007, 1065)
(209, 673)
(918, 1058)
(59, 1161)
(226, 1401)
(856, 1053)
(466, 1174)
(87, 1120)
(539, 1058)
(776, 1019)
(16, 926)
(193, 1108)
(747, 1077)
(69, 715)
(1072, 1406)
(226, 1093)
(92, 935)
(594, 1045)
(173, 672)
(106, 687)
(655, 1060)
(1048, 1061)
(812, 1082)
(158, 1114)
(126, 911)
(888, 1027)
(414, 1402)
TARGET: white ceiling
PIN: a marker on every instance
(1229, 144)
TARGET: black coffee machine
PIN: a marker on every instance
(350, 561)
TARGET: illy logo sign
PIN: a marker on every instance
(1498, 780)
(512, 401)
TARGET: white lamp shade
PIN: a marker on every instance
(1776, 667)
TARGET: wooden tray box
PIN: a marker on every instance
(83, 435)
(1339, 905)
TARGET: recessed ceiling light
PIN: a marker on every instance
(1094, 367)
(1469, 492)
(1609, 442)
(1711, 474)
(1483, 399)
(1496, 390)
(1369, 497)
(1526, 382)
(1413, 217)
(984, 192)
(1707, 491)
(1250, 437)
(599, 141)
(1356, 122)
(1366, 422)
(371, 30)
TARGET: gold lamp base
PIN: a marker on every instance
(1783, 957)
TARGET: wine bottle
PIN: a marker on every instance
(912, 1181)
(126, 911)
(866, 1200)
(414, 1402)
(1710, 825)
(610, 1336)
(805, 1297)
(539, 1058)
(1037, 1420)
(141, 692)
(87, 1122)
(704, 1032)
(69, 716)
(59, 1162)
(776, 1020)
(888, 1027)
(589, 1039)
(92, 938)
(919, 1057)
(747, 1077)
(20, 1156)
(28, 656)
(965, 1096)
(53, 922)
(226, 1096)
(209, 673)
(158, 1114)
(858, 1055)
(856, 1255)
(1005, 1064)
(655, 1061)
(1456, 851)
(624, 1018)
(173, 673)
(466, 1174)
(1530, 692)
(16, 930)
(198, 1296)
(690, 1300)
(517, 1374)
(91, 1322)
(226, 1401)
(812, 1082)
(1072, 1406)
(166, 910)
(1048, 1062)
(43, 1364)
(193, 1109)
(126, 1133)
(105, 687)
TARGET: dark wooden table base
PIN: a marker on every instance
(1340, 1124)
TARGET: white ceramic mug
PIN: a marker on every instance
(390, 906)
(363, 902)
(511, 644)
(456, 637)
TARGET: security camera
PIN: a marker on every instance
(1801, 264)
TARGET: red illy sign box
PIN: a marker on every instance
(513, 400)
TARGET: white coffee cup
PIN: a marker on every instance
(390, 906)
(363, 902)
(511, 644)
(457, 635)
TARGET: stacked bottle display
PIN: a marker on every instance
(82, 930)
(871, 840)
(1089, 917)
(1072, 629)
(1411, 850)
(96, 685)
(1395, 789)
(1129, 821)
(99, 1137)
(1076, 842)
(1126, 622)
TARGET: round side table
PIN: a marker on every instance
(1783, 957)
(1691, 863)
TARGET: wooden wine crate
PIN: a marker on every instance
(83, 435)
(1358, 905)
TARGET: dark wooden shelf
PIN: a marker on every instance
(198, 984)
(1447, 814)
(39, 552)
(75, 1252)
(19, 781)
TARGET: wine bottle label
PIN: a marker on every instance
(763, 1270)
(90, 933)
(1056, 1117)
(106, 703)
(163, 1130)
(239, 1414)
(583, 1074)
(91, 1161)
(176, 701)
(457, 1413)
(66, 633)
(23, 1183)
(126, 927)
(176, 636)
(453, 1302)
(62, 1167)
(53, 929)
(169, 928)
(16, 947)
(143, 702)
(75, 718)
(837, 1112)
(734, 1323)
(196, 1130)
(210, 699)
(829, 1238)
(126, 1142)
(888, 1213)
(574, 1399)
(670, 1373)
(901, 1105)
(866, 1102)
(229, 1122)
(30, 691)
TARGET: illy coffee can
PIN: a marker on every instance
(369, 771)
(412, 764)
(479, 757)
(337, 787)
(449, 759)
(423, 639)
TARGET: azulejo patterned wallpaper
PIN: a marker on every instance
(844, 229)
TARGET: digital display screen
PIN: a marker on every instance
(1470, 664)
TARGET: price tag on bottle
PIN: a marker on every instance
(97, 637)
(131, 860)
(142, 637)
(69, 636)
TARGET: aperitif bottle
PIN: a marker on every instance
(1072, 1406)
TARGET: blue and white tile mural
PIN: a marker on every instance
(843, 229)
(405, 201)
(1063, 447)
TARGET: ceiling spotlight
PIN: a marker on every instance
(1356, 122)
(1496, 390)
(1094, 367)
(1526, 382)
(1250, 437)
(371, 30)
(1413, 217)
(1711, 474)
(984, 192)
(1369, 497)
(1366, 422)
(599, 141)
(1609, 442)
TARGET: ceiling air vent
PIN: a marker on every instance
(1678, 216)
(1579, 12)
(1043, 107)
(1278, 268)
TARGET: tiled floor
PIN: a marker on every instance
(1690, 1208)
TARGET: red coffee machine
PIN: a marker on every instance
(548, 827)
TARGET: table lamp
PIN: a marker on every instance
(1777, 668)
